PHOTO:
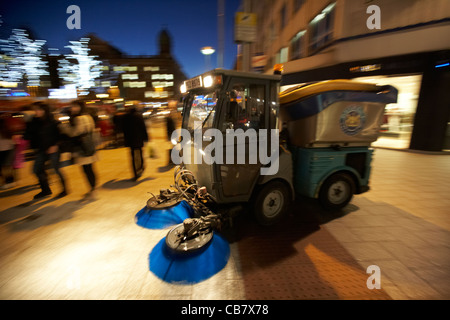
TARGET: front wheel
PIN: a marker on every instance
(337, 191)
(271, 203)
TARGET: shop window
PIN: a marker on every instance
(297, 46)
(284, 55)
(283, 17)
(134, 84)
(321, 29)
(162, 76)
(151, 68)
(274, 106)
(130, 76)
(162, 84)
(125, 68)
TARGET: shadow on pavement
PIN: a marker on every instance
(166, 168)
(297, 258)
(45, 216)
(124, 183)
(14, 191)
(36, 213)
(304, 217)
(23, 210)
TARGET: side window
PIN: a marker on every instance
(245, 107)
(274, 106)
(256, 102)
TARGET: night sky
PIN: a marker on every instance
(132, 26)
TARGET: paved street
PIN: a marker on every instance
(76, 248)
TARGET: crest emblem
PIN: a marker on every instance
(352, 120)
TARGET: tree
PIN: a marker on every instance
(21, 59)
(79, 68)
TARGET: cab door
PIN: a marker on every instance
(200, 116)
(244, 113)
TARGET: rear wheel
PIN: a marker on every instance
(337, 191)
(271, 203)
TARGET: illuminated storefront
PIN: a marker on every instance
(398, 121)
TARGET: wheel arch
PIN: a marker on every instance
(268, 179)
(346, 170)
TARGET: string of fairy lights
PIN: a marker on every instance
(22, 63)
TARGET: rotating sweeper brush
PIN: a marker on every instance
(189, 207)
(191, 251)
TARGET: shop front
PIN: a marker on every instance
(398, 120)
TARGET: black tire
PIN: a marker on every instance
(271, 202)
(337, 191)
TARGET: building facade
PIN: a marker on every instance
(153, 79)
(403, 43)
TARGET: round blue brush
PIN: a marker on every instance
(189, 267)
(164, 217)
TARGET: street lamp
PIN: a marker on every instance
(207, 52)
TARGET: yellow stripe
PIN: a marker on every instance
(323, 86)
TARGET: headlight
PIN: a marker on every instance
(207, 81)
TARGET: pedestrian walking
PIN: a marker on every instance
(170, 128)
(6, 153)
(118, 126)
(19, 157)
(80, 128)
(135, 135)
(44, 137)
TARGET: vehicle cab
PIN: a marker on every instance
(232, 101)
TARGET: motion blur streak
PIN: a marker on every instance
(163, 218)
(189, 268)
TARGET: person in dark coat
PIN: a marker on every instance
(6, 152)
(135, 135)
(44, 137)
(170, 128)
(118, 127)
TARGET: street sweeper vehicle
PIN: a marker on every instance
(242, 142)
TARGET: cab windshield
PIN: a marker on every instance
(202, 108)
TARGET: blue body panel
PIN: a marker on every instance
(312, 166)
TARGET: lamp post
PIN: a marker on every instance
(220, 32)
(207, 52)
